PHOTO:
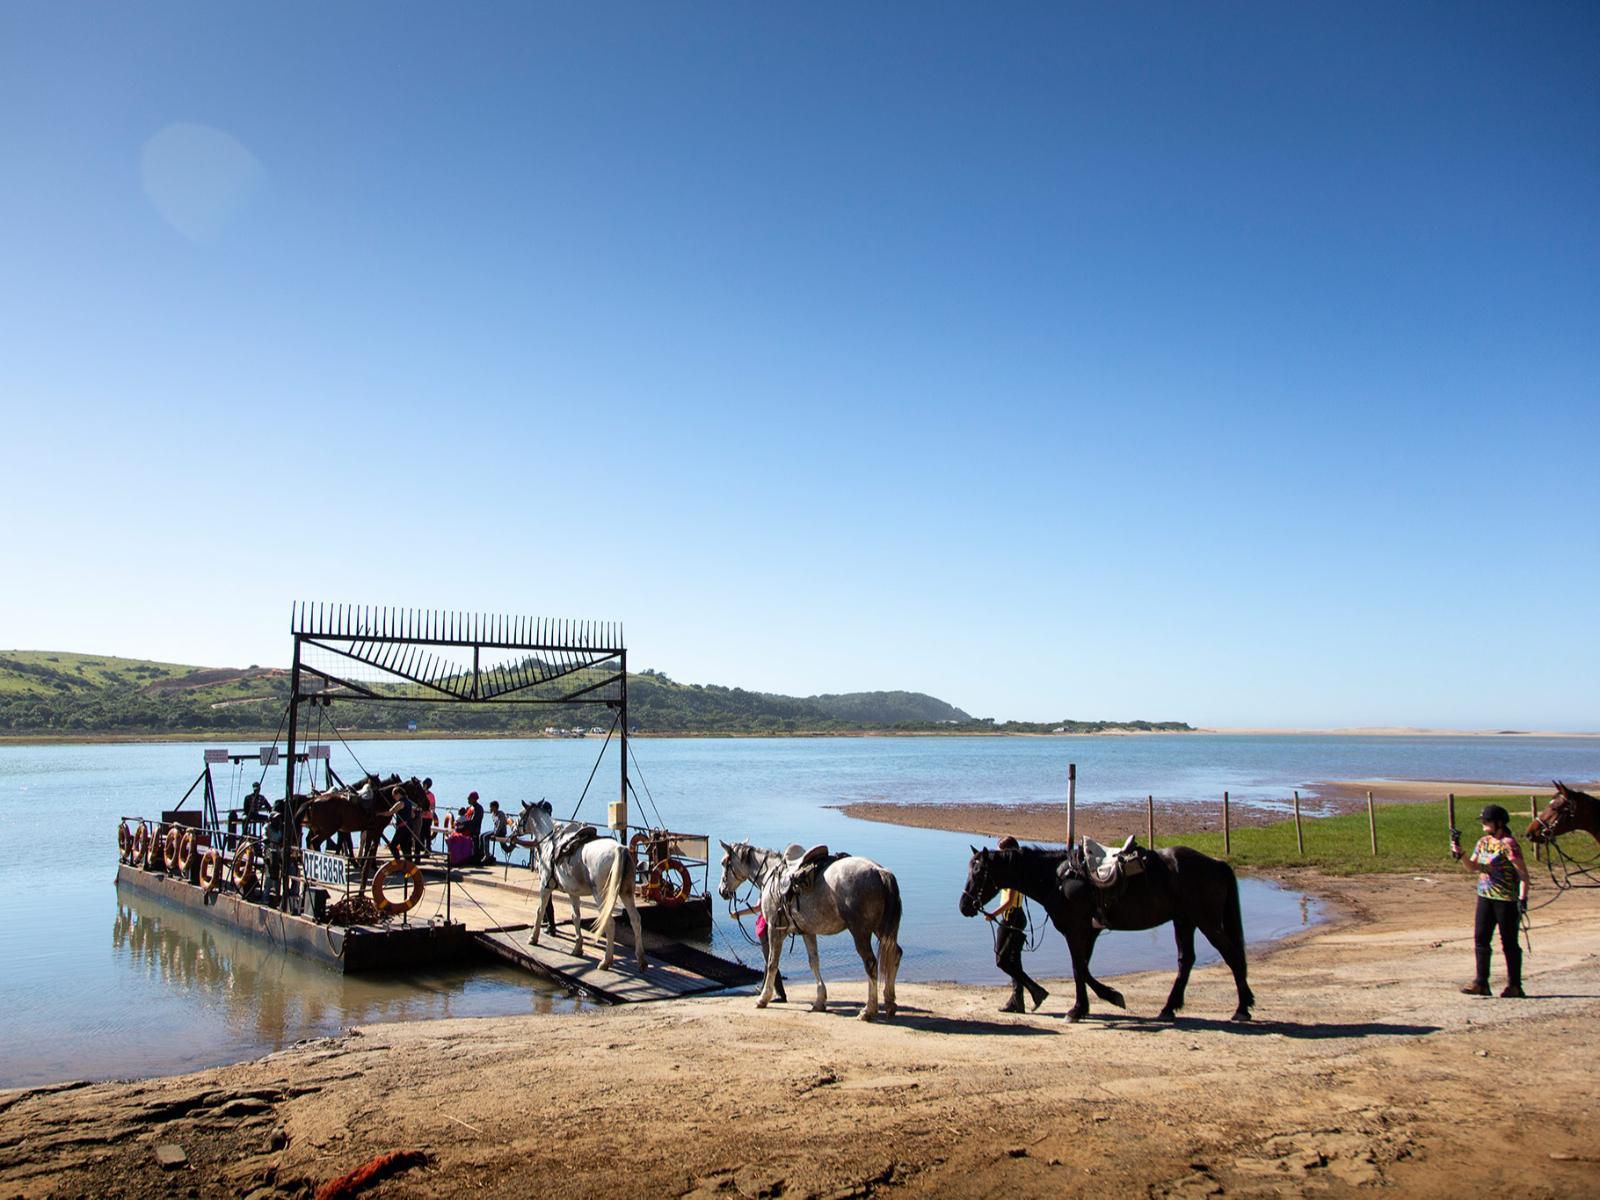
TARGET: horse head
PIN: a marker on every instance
(1559, 816)
(739, 866)
(536, 820)
(980, 888)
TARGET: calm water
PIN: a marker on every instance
(101, 983)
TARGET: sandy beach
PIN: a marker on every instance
(1365, 1067)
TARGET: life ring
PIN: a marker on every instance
(141, 844)
(669, 882)
(449, 822)
(124, 841)
(638, 843)
(244, 867)
(186, 845)
(169, 847)
(412, 875)
(211, 870)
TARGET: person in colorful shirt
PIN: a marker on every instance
(1008, 943)
(1502, 898)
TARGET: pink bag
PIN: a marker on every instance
(458, 849)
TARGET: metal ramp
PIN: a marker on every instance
(672, 969)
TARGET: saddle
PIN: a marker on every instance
(801, 868)
(569, 841)
(1106, 870)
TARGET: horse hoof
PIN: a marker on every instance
(1242, 1015)
(819, 1007)
(761, 1003)
(1116, 999)
(1167, 1015)
(866, 1014)
(1077, 1014)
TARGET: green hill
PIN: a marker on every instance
(56, 694)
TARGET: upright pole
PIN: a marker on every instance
(1533, 815)
(620, 817)
(291, 821)
(1227, 832)
(1150, 820)
(1372, 824)
(1072, 804)
(1299, 837)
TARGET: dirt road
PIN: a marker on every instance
(1365, 1068)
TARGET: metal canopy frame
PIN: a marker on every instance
(559, 662)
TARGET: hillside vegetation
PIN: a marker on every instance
(57, 694)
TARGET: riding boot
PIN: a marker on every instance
(1039, 995)
(1014, 1005)
(1513, 973)
(1483, 956)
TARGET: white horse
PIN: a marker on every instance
(851, 893)
(603, 867)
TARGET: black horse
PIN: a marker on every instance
(1179, 885)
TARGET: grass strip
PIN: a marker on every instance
(1411, 837)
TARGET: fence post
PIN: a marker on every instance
(1372, 824)
(1150, 819)
(1227, 835)
(1299, 838)
(1072, 804)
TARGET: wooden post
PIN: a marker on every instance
(1150, 819)
(1299, 837)
(1227, 835)
(1533, 815)
(1372, 824)
(1072, 804)
(1450, 816)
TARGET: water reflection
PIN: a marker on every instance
(177, 993)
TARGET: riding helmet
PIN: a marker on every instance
(1493, 814)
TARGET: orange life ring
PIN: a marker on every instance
(244, 867)
(124, 841)
(449, 822)
(211, 870)
(413, 876)
(141, 844)
(169, 847)
(186, 845)
(669, 882)
(638, 843)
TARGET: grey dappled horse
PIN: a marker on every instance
(602, 866)
(850, 893)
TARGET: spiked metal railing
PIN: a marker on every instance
(565, 661)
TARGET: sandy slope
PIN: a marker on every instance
(1365, 1068)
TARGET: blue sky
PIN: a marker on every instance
(1232, 363)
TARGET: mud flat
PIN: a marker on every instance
(1365, 1067)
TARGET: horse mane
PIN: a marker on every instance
(1575, 793)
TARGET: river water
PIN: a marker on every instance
(101, 983)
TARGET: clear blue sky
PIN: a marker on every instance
(1234, 363)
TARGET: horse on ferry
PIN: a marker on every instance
(1569, 811)
(843, 892)
(1180, 885)
(366, 809)
(576, 859)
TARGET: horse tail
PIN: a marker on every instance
(892, 909)
(1233, 927)
(621, 869)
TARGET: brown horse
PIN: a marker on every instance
(366, 809)
(1567, 812)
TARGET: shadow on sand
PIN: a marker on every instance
(1257, 1028)
(921, 1018)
